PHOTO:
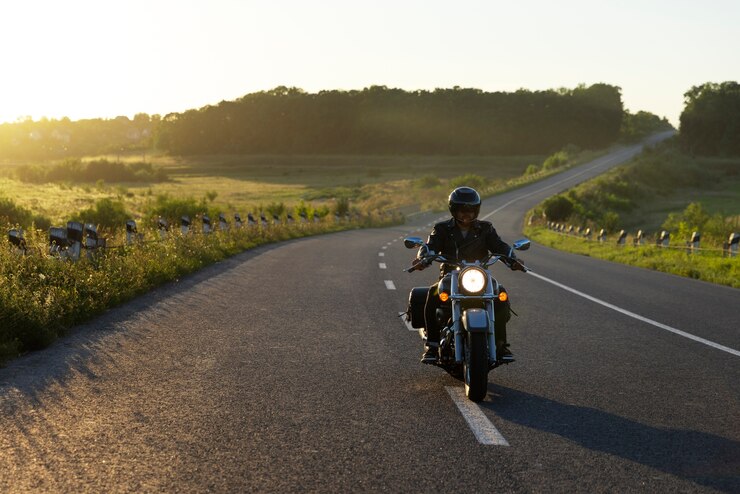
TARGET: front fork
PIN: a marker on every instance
(458, 332)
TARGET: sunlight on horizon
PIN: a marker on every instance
(86, 59)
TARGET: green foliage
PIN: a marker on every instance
(12, 214)
(275, 208)
(710, 121)
(555, 160)
(41, 296)
(713, 228)
(707, 266)
(636, 126)
(558, 208)
(469, 180)
(341, 206)
(100, 171)
(173, 209)
(531, 169)
(427, 182)
(106, 213)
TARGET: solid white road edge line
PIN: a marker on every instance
(638, 317)
(389, 285)
(618, 157)
(382, 265)
(485, 432)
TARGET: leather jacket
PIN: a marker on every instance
(447, 239)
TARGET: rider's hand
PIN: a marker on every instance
(517, 265)
(419, 264)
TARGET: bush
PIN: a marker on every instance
(558, 208)
(531, 170)
(555, 161)
(469, 180)
(91, 172)
(106, 213)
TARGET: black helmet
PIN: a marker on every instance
(464, 197)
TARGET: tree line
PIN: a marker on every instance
(710, 121)
(375, 120)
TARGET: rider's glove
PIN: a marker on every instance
(516, 265)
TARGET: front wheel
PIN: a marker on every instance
(475, 366)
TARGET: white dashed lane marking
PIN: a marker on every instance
(389, 285)
(381, 254)
(382, 265)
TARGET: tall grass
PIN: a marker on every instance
(41, 297)
(707, 266)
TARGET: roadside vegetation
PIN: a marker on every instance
(661, 190)
(151, 169)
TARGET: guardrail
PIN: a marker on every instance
(662, 239)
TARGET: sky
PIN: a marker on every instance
(90, 59)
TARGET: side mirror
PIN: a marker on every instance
(522, 244)
(413, 242)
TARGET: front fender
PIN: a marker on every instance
(475, 321)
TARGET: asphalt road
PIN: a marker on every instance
(286, 368)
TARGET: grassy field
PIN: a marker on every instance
(249, 183)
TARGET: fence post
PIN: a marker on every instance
(74, 237)
(732, 243)
(222, 223)
(130, 231)
(162, 226)
(639, 238)
(185, 224)
(694, 242)
(587, 234)
(622, 237)
(206, 224)
(57, 240)
(664, 239)
(263, 220)
(237, 220)
(602, 235)
(250, 220)
(15, 237)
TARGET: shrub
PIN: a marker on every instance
(469, 180)
(106, 213)
(558, 208)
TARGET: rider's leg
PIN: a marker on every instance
(430, 323)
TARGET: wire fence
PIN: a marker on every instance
(71, 241)
(662, 239)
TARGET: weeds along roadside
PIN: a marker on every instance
(42, 297)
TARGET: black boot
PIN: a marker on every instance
(503, 352)
(430, 354)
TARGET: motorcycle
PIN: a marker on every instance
(466, 315)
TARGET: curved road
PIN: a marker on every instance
(287, 368)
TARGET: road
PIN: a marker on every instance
(286, 368)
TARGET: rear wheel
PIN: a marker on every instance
(475, 366)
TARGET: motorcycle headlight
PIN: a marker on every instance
(473, 280)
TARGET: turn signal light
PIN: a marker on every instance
(444, 297)
(503, 296)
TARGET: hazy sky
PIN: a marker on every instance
(99, 58)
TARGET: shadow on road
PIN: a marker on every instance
(699, 457)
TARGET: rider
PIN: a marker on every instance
(464, 237)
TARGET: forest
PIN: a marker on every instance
(710, 122)
(375, 120)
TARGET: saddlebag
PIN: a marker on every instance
(417, 301)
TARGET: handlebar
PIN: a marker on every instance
(490, 261)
